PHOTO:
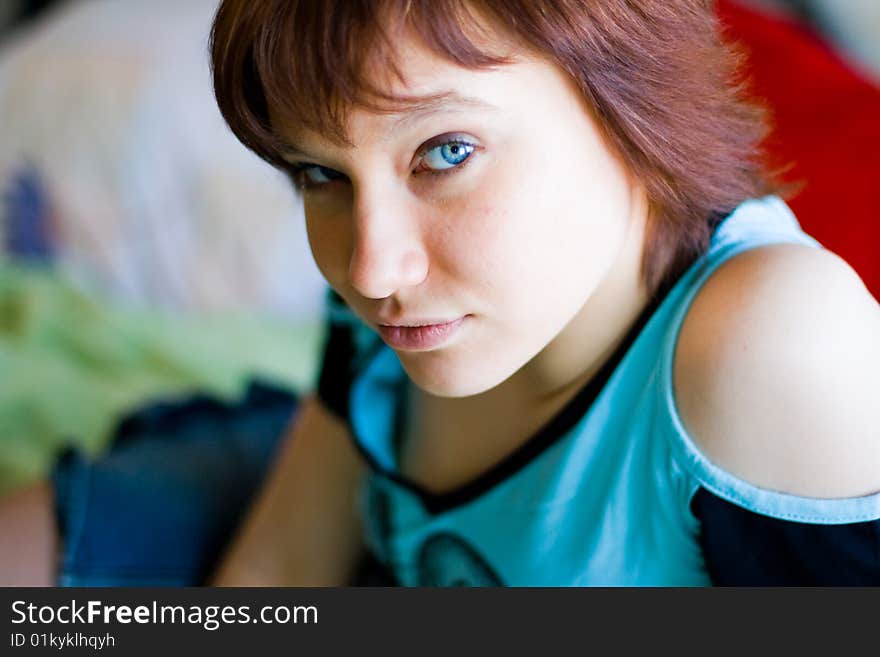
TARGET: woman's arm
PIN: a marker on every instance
(303, 528)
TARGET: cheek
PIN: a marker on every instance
(538, 248)
(505, 216)
(492, 233)
(478, 240)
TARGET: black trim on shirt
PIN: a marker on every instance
(743, 548)
(337, 375)
(334, 381)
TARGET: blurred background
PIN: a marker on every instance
(146, 255)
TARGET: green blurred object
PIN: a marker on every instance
(71, 367)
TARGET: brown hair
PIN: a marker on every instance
(657, 74)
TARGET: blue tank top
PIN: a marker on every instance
(603, 495)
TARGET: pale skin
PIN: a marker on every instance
(538, 241)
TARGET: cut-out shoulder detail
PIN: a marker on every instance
(775, 373)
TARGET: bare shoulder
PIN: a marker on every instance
(776, 373)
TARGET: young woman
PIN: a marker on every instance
(573, 337)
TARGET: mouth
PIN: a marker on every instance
(420, 323)
(420, 337)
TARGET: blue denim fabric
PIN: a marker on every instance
(158, 508)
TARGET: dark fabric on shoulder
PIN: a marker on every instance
(337, 362)
(743, 548)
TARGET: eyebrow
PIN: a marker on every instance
(449, 101)
(415, 109)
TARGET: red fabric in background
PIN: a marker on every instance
(827, 125)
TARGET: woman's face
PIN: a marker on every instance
(498, 208)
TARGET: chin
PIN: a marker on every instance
(450, 381)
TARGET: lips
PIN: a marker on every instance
(422, 336)
(416, 323)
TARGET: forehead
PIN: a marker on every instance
(418, 83)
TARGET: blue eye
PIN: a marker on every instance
(447, 155)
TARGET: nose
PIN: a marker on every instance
(388, 251)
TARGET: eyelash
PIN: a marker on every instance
(297, 171)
